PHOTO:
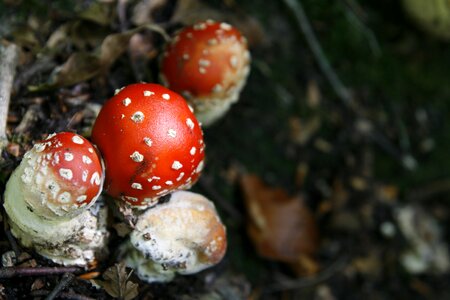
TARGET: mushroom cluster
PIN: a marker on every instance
(51, 200)
(208, 63)
(148, 145)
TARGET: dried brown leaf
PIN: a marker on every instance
(82, 66)
(116, 282)
(281, 227)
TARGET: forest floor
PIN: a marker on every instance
(348, 164)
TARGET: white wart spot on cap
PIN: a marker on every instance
(190, 123)
(225, 26)
(193, 151)
(217, 88)
(169, 182)
(86, 160)
(166, 96)
(64, 197)
(137, 157)
(81, 198)
(91, 150)
(84, 175)
(148, 141)
(95, 179)
(77, 140)
(39, 147)
(156, 187)
(136, 186)
(138, 117)
(234, 61)
(66, 173)
(180, 176)
(68, 156)
(199, 26)
(126, 101)
(204, 63)
(129, 198)
(176, 165)
(118, 90)
(148, 93)
(185, 56)
(202, 70)
(172, 133)
(199, 167)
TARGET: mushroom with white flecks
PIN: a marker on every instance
(151, 142)
(50, 200)
(183, 235)
(208, 63)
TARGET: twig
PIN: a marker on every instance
(11, 272)
(66, 295)
(407, 161)
(296, 7)
(65, 281)
(288, 284)
(8, 63)
(354, 15)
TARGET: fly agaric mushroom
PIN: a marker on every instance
(183, 235)
(151, 142)
(208, 63)
(50, 198)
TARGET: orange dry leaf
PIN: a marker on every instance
(281, 227)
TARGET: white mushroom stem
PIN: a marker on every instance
(183, 235)
(77, 241)
(8, 62)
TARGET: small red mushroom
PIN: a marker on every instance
(208, 63)
(151, 142)
(47, 199)
(60, 175)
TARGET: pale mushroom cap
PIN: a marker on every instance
(184, 235)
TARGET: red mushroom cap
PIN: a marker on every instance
(151, 142)
(65, 172)
(205, 62)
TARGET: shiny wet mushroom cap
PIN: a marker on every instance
(208, 63)
(151, 142)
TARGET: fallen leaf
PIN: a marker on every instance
(82, 66)
(116, 282)
(281, 227)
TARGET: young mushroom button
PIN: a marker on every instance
(59, 176)
(47, 199)
(151, 142)
(208, 63)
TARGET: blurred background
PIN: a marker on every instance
(330, 172)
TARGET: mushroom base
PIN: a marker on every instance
(77, 241)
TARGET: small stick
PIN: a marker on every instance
(65, 281)
(64, 295)
(10, 272)
(299, 13)
(8, 62)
